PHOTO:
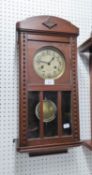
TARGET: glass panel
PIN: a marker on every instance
(50, 113)
(66, 113)
(33, 121)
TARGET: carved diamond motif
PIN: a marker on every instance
(49, 24)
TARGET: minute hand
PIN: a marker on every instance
(51, 60)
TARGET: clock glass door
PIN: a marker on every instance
(66, 113)
(33, 122)
(49, 114)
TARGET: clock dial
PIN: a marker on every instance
(49, 63)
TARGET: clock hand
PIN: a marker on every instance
(39, 61)
(50, 61)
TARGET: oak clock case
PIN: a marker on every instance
(49, 120)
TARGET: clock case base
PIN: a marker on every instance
(48, 150)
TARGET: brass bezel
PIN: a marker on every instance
(56, 50)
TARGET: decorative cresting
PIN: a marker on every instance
(49, 23)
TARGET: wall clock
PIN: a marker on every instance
(49, 120)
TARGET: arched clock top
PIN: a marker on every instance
(47, 24)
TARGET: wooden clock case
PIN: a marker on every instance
(33, 34)
(86, 47)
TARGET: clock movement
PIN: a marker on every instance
(49, 119)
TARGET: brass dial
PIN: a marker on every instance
(49, 63)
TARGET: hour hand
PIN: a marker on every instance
(40, 61)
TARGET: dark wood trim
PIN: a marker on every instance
(63, 151)
(23, 89)
(75, 103)
(85, 46)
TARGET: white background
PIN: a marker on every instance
(78, 161)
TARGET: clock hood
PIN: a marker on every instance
(49, 24)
